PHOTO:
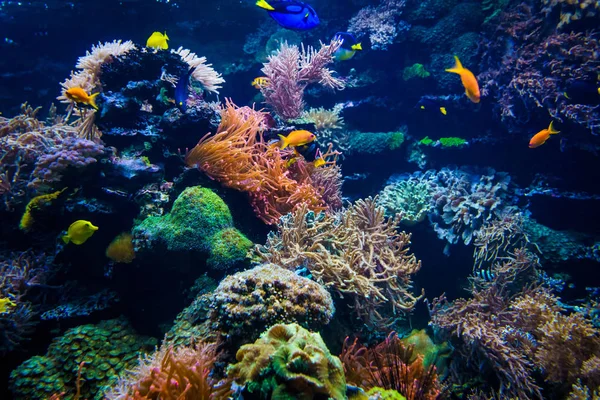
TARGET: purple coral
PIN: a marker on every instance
(381, 23)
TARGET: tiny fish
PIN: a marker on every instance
(79, 232)
(158, 41)
(540, 138)
(296, 138)
(485, 274)
(182, 90)
(468, 80)
(261, 82)
(79, 96)
(430, 104)
(291, 14)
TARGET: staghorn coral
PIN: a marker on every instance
(411, 198)
(244, 303)
(203, 73)
(356, 252)
(107, 349)
(199, 221)
(391, 365)
(381, 23)
(289, 362)
(182, 373)
(498, 237)
(291, 70)
(240, 158)
(572, 10)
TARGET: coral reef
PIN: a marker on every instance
(200, 222)
(411, 198)
(106, 349)
(244, 303)
(369, 143)
(240, 158)
(356, 252)
(381, 23)
(289, 362)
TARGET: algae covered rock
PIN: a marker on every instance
(107, 349)
(199, 221)
(289, 362)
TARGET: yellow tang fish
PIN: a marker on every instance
(6, 304)
(296, 138)
(80, 96)
(158, 41)
(79, 232)
(261, 82)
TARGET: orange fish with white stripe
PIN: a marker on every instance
(540, 138)
(468, 80)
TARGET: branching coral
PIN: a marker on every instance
(355, 252)
(240, 158)
(182, 373)
(291, 70)
(289, 362)
(498, 237)
(391, 365)
(244, 303)
(325, 119)
(572, 10)
(411, 198)
(203, 73)
(380, 22)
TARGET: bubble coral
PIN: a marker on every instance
(244, 303)
(121, 250)
(289, 362)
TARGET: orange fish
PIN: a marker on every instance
(540, 138)
(296, 138)
(79, 96)
(468, 80)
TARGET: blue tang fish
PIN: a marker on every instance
(348, 48)
(182, 90)
(291, 14)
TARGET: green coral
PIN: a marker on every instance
(368, 143)
(410, 198)
(426, 141)
(415, 71)
(107, 349)
(199, 221)
(437, 354)
(289, 362)
(384, 394)
(452, 142)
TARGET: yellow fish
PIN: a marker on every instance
(319, 162)
(80, 96)
(261, 82)
(79, 232)
(5, 304)
(158, 41)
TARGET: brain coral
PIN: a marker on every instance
(107, 349)
(244, 303)
(289, 362)
(199, 221)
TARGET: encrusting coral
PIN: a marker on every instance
(240, 158)
(355, 252)
(289, 362)
(199, 221)
(244, 303)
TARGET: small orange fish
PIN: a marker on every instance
(296, 138)
(540, 138)
(79, 96)
(468, 80)
(261, 82)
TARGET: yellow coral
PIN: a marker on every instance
(121, 249)
(325, 119)
(36, 203)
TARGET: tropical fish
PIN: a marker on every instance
(296, 138)
(430, 104)
(319, 162)
(182, 90)
(291, 14)
(540, 138)
(468, 80)
(79, 96)
(485, 275)
(348, 48)
(79, 232)
(583, 92)
(6, 304)
(158, 41)
(261, 82)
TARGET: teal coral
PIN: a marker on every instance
(415, 71)
(410, 198)
(289, 362)
(199, 221)
(368, 143)
(426, 141)
(107, 349)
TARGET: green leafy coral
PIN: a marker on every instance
(411, 198)
(199, 221)
(107, 349)
(289, 362)
(415, 71)
(445, 142)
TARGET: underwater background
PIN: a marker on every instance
(334, 199)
